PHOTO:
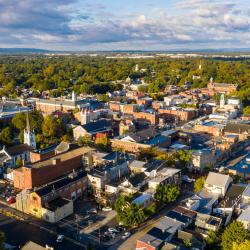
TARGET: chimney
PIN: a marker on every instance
(56, 161)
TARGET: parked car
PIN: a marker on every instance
(126, 235)
(11, 200)
(113, 230)
(92, 211)
(60, 238)
(106, 209)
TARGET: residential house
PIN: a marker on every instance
(9, 156)
(92, 128)
(162, 233)
(217, 183)
(208, 222)
(244, 218)
(57, 210)
(165, 176)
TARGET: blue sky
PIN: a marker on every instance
(125, 24)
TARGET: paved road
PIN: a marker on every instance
(18, 233)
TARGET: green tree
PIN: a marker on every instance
(130, 214)
(199, 183)
(19, 162)
(246, 110)
(167, 193)
(52, 127)
(6, 136)
(234, 233)
(212, 240)
(242, 246)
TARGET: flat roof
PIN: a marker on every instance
(63, 157)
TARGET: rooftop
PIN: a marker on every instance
(57, 203)
(42, 191)
(63, 157)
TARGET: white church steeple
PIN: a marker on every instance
(29, 134)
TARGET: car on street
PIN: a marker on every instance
(92, 211)
(113, 230)
(60, 238)
(126, 235)
(107, 209)
(11, 200)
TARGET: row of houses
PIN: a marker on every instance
(210, 209)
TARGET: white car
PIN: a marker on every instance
(92, 211)
(60, 238)
(113, 230)
(107, 209)
(126, 235)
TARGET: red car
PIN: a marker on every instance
(11, 200)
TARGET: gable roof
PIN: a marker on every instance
(216, 179)
(18, 149)
(237, 128)
(143, 135)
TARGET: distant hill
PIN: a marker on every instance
(22, 50)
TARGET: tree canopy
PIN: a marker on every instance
(167, 193)
(235, 233)
(199, 183)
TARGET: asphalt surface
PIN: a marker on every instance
(18, 233)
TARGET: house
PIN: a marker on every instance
(202, 158)
(231, 200)
(175, 215)
(134, 183)
(143, 139)
(208, 222)
(9, 156)
(105, 174)
(165, 176)
(241, 168)
(144, 200)
(244, 218)
(202, 202)
(246, 195)
(137, 166)
(240, 129)
(217, 183)
(92, 128)
(57, 210)
(162, 233)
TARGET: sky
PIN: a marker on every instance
(124, 24)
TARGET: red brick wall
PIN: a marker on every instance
(34, 177)
(152, 118)
(183, 115)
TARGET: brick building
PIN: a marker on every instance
(181, 114)
(43, 172)
(153, 118)
(224, 88)
(69, 187)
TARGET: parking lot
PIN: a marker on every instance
(90, 222)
